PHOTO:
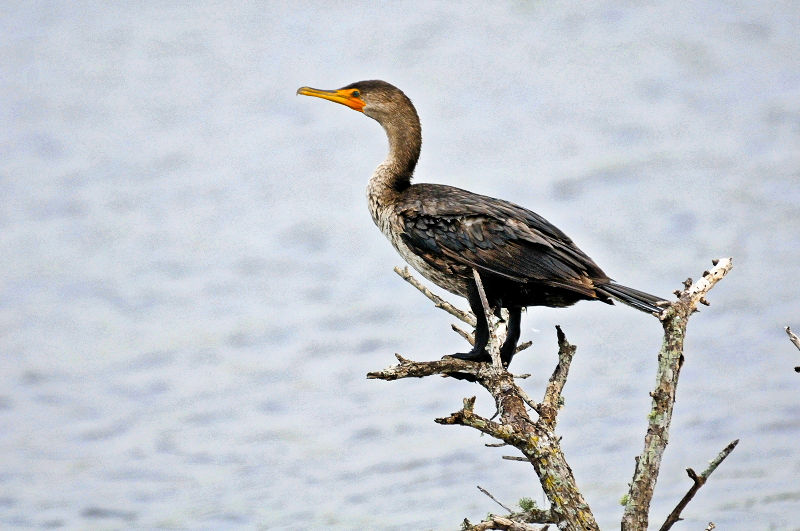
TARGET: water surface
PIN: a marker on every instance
(191, 289)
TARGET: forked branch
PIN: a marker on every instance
(698, 481)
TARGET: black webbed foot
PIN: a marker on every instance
(507, 352)
(478, 352)
(481, 357)
(509, 347)
(472, 355)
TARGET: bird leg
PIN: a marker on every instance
(509, 347)
(478, 352)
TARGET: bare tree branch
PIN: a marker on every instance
(439, 302)
(494, 344)
(523, 346)
(549, 407)
(493, 498)
(501, 522)
(670, 359)
(419, 369)
(531, 404)
(794, 339)
(699, 481)
(463, 333)
(536, 438)
(514, 520)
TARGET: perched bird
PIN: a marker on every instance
(445, 232)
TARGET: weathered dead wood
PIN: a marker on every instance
(514, 520)
(502, 522)
(795, 340)
(536, 438)
(437, 301)
(698, 481)
(670, 360)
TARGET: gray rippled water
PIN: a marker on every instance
(191, 289)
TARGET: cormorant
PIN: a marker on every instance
(445, 232)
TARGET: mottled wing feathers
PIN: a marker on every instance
(493, 236)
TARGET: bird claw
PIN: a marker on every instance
(481, 356)
(506, 355)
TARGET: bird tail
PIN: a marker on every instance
(632, 297)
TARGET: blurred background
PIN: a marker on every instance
(192, 290)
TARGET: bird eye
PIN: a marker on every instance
(355, 94)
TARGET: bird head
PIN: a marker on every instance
(374, 98)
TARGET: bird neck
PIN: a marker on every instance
(405, 141)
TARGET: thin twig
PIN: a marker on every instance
(697, 291)
(494, 345)
(463, 333)
(515, 458)
(493, 498)
(439, 302)
(522, 346)
(548, 409)
(794, 339)
(466, 416)
(528, 400)
(699, 481)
